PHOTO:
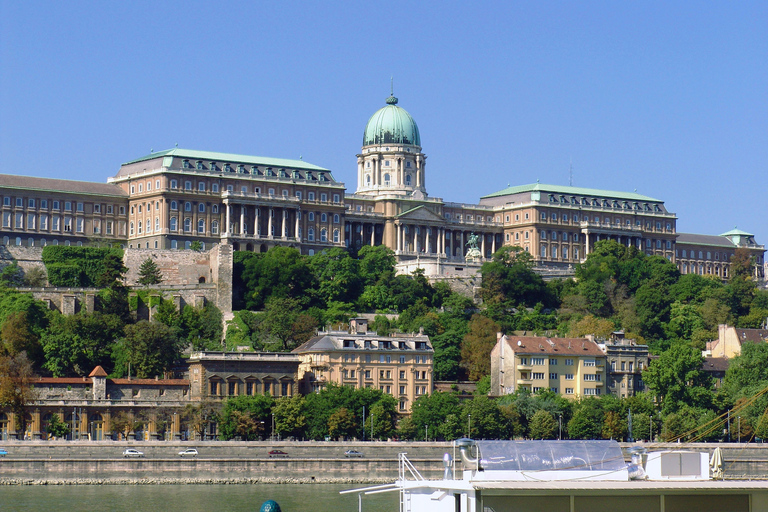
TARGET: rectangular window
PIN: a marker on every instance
(19, 221)
(569, 362)
(44, 221)
(553, 362)
(68, 206)
(537, 361)
(31, 220)
(538, 376)
(568, 391)
(568, 376)
(109, 227)
(80, 207)
(552, 376)
(55, 223)
(7, 219)
(589, 362)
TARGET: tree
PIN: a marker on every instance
(76, 344)
(337, 275)
(509, 280)
(676, 378)
(114, 271)
(151, 348)
(16, 386)
(587, 420)
(543, 426)
(123, 424)
(590, 324)
(375, 262)
(56, 427)
(283, 326)
(245, 417)
(196, 245)
(281, 272)
(149, 273)
(290, 416)
(477, 346)
(614, 425)
(198, 416)
(341, 423)
(18, 336)
(430, 411)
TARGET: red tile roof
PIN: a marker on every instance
(98, 372)
(553, 346)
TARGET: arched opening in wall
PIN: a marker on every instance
(236, 246)
(201, 280)
(249, 247)
(96, 427)
(263, 248)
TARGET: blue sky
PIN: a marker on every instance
(666, 98)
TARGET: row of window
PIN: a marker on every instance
(384, 374)
(568, 391)
(30, 222)
(252, 387)
(564, 252)
(388, 180)
(57, 205)
(18, 241)
(244, 189)
(254, 170)
(627, 365)
(468, 217)
(383, 358)
(541, 361)
(555, 217)
(684, 254)
(604, 203)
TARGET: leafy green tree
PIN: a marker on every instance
(587, 420)
(19, 336)
(509, 280)
(149, 273)
(290, 416)
(12, 276)
(56, 427)
(543, 426)
(76, 344)
(198, 416)
(283, 326)
(150, 348)
(17, 389)
(281, 272)
(614, 426)
(201, 328)
(677, 378)
(113, 271)
(430, 411)
(375, 262)
(35, 277)
(478, 343)
(196, 245)
(341, 424)
(337, 275)
(245, 417)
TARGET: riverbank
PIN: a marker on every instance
(191, 481)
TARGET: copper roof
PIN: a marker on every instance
(98, 372)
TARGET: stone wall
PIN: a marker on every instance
(26, 257)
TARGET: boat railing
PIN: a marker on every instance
(405, 465)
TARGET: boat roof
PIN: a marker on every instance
(578, 455)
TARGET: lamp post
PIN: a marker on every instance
(739, 427)
(469, 425)
(650, 428)
(560, 429)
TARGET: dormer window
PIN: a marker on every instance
(186, 164)
(227, 168)
(199, 165)
(213, 166)
(241, 169)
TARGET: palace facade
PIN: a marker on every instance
(174, 198)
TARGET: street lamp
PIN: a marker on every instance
(560, 431)
(650, 428)
(739, 426)
(469, 425)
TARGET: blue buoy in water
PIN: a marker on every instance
(270, 506)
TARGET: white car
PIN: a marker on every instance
(189, 452)
(131, 452)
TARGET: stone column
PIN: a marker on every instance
(482, 245)
(228, 218)
(493, 244)
(257, 221)
(285, 221)
(296, 227)
(242, 219)
(373, 234)
(427, 239)
(416, 239)
(269, 222)
(399, 243)
(461, 246)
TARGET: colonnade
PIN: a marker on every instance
(441, 241)
(249, 220)
(363, 233)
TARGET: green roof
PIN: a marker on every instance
(230, 157)
(391, 125)
(737, 232)
(570, 191)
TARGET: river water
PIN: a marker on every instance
(191, 498)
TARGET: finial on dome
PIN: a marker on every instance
(391, 100)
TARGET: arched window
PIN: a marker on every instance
(386, 180)
(335, 218)
(201, 226)
(187, 244)
(323, 235)
(174, 205)
(201, 208)
(187, 206)
(131, 228)
(368, 180)
(311, 234)
(323, 217)
(311, 216)
(187, 224)
(408, 179)
(157, 223)
(174, 224)
(215, 208)
(139, 231)
(215, 227)
(335, 236)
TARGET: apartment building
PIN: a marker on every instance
(571, 367)
(399, 365)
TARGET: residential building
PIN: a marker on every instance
(399, 365)
(729, 340)
(571, 367)
(626, 361)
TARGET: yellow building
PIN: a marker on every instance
(571, 367)
(399, 365)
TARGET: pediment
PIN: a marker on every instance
(420, 214)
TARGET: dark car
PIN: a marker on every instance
(277, 453)
(353, 453)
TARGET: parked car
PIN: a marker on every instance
(131, 452)
(277, 453)
(3, 453)
(189, 452)
(353, 453)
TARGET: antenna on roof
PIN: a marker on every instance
(177, 144)
(391, 85)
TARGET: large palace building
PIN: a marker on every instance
(171, 199)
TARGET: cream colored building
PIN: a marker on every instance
(571, 367)
(729, 340)
(399, 365)
(710, 255)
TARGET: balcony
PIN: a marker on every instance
(522, 382)
(524, 367)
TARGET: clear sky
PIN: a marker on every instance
(666, 98)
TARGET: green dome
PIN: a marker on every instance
(391, 125)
